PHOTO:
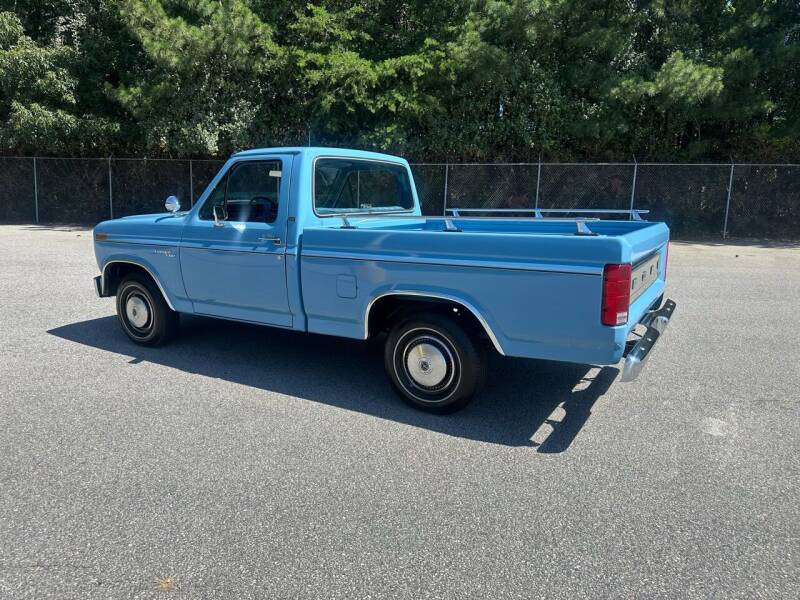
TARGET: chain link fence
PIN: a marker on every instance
(89, 190)
(747, 200)
(695, 200)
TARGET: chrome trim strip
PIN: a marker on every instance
(130, 242)
(255, 250)
(439, 296)
(447, 263)
(130, 262)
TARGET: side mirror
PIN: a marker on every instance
(172, 204)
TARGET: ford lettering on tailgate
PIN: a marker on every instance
(643, 276)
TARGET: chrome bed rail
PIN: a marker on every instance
(456, 213)
(538, 213)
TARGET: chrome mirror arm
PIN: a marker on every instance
(217, 221)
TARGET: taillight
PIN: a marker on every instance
(616, 294)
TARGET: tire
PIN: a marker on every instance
(143, 313)
(433, 363)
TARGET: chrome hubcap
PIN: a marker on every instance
(137, 311)
(426, 365)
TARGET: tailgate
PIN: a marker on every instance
(644, 246)
(645, 241)
(638, 239)
(647, 253)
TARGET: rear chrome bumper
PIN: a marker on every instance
(656, 322)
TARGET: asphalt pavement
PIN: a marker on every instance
(247, 462)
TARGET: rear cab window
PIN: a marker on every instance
(346, 185)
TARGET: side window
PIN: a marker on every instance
(249, 192)
(346, 185)
(216, 198)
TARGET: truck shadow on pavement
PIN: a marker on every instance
(525, 402)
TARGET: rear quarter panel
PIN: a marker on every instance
(540, 295)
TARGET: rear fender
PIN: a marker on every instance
(422, 295)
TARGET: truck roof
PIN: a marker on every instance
(314, 151)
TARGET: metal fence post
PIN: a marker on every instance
(728, 204)
(110, 192)
(633, 186)
(446, 171)
(538, 179)
(35, 191)
(191, 184)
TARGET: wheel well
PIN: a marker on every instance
(389, 309)
(117, 271)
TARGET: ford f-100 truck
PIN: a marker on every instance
(333, 241)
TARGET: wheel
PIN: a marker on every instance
(433, 363)
(143, 312)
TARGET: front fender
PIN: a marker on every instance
(161, 262)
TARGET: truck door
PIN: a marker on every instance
(233, 247)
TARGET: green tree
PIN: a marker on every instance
(483, 79)
(39, 108)
(206, 77)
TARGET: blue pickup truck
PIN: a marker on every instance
(333, 241)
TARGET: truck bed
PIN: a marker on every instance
(502, 267)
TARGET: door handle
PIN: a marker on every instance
(275, 240)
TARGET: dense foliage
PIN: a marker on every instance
(432, 79)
